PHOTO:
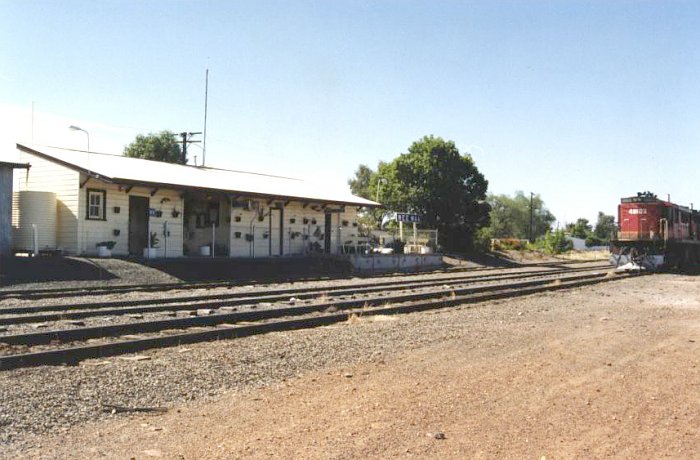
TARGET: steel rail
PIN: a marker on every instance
(91, 332)
(73, 355)
(27, 314)
(97, 290)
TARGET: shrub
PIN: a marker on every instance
(554, 242)
(482, 239)
(593, 240)
(397, 246)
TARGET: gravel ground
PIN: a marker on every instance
(45, 400)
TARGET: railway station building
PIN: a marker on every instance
(73, 202)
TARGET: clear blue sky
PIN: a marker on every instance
(582, 102)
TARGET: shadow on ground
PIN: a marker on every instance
(480, 260)
(20, 270)
(270, 270)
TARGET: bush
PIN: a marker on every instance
(397, 246)
(593, 240)
(509, 244)
(554, 242)
(482, 239)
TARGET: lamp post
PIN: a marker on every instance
(77, 128)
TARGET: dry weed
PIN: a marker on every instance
(354, 318)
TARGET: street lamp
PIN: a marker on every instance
(77, 128)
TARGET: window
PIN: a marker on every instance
(96, 205)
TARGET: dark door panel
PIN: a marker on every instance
(138, 224)
(327, 234)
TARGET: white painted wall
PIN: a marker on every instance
(92, 232)
(303, 226)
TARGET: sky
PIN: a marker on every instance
(581, 102)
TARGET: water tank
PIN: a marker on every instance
(31, 207)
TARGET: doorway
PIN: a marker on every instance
(275, 233)
(138, 224)
(328, 228)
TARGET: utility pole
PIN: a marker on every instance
(186, 139)
(531, 196)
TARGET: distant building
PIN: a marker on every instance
(177, 210)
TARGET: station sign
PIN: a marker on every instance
(151, 212)
(405, 217)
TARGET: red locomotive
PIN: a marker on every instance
(654, 233)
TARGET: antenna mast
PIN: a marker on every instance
(206, 99)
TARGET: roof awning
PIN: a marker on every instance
(128, 171)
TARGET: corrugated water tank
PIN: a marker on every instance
(38, 208)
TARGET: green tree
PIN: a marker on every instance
(510, 217)
(581, 229)
(159, 147)
(605, 226)
(441, 185)
(360, 184)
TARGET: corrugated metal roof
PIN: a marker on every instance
(125, 170)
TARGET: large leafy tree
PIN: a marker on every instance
(360, 184)
(604, 227)
(438, 183)
(510, 216)
(162, 146)
(581, 228)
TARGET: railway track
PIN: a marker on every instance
(253, 315)
(41, 313)
(47, 293)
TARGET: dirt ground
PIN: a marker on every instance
(604, 371)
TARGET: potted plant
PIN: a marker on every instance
(104, 248)
(152, 252)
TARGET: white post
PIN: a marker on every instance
(165, 237)
(415, 233)
(401, 230)
(35, 240)
(338, 242)
(213, 237)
